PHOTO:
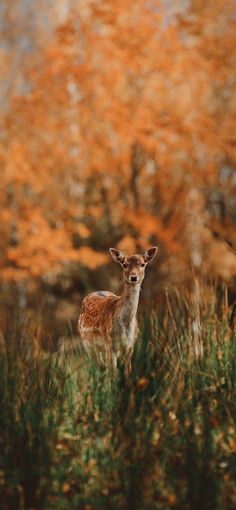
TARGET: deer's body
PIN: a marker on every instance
(108, 323)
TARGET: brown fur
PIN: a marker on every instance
(107, 322)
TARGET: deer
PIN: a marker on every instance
(108, 323)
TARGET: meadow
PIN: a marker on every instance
(75, 436)
(117, 129)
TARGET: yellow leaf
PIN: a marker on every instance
(82, 230)
(142, 383)
(65, 488)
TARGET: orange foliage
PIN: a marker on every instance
(127, 113)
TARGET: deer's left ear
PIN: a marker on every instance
(117, 255)
(150, 254)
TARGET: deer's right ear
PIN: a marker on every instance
(117, 255)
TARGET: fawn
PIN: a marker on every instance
(107, 323)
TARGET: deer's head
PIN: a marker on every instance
(133, 265)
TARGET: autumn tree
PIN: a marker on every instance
(124, 137)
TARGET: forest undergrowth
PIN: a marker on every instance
(75, 436)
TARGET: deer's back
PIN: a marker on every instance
(96, 318)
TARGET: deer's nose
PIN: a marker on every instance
(133, 278)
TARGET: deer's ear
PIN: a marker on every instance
(117, 255)
(150, 254)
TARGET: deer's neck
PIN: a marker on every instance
(129, 300)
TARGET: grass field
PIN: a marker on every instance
(73, 436)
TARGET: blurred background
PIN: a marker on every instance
(117, 128)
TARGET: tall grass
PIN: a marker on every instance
(74, 436)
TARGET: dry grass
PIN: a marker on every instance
(73, 436)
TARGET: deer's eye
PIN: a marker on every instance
(143, 264)
(125, 265)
